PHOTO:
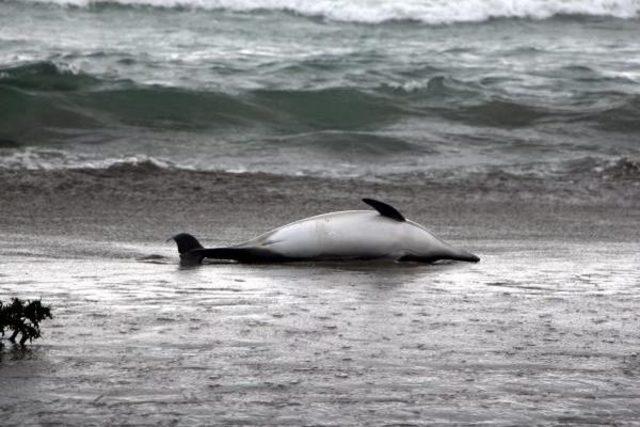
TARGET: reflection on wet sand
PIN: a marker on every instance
(330, 343)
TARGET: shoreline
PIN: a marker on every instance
(146, 203)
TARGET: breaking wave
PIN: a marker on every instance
(433, 12)
(49, 97)
(584, 169)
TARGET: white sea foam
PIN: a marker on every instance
(32, 158)
(377, 11)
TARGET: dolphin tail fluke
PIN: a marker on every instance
(187, 245)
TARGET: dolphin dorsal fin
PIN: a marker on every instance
(385, 209)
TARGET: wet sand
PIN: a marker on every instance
(545, 329)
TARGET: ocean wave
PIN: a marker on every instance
(584, 172)
(45, 103)
(46, 75)
(171, 109)
(500, 113)
(614, 169)
(622, 117)
(44, 96)
(34, 158)
(356, 144)
(378, 11)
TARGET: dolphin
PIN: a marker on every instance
(383, 233)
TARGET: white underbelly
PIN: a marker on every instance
(356, 234)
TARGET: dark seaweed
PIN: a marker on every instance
(23, 319)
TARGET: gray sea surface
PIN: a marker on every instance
(324, 88)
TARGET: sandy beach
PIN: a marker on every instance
(545, 329)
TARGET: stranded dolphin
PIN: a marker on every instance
(345, 235)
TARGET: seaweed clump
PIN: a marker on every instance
(23, 318)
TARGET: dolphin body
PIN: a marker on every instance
(345, 235)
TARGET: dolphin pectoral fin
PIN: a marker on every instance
(385, 209)
(468, 257)
(416, 258)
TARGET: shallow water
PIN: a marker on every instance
(538, 331)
